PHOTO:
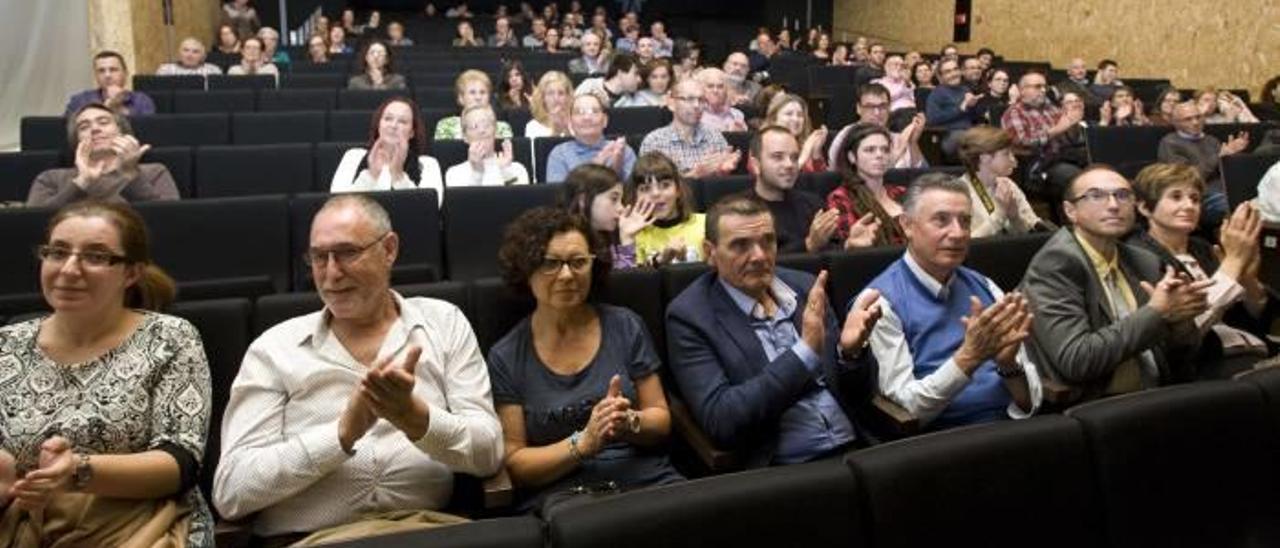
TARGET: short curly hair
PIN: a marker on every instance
(524, 244)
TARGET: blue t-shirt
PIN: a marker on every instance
(557, 405)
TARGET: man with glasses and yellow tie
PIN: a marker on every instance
(1107, 319)
(368, 406)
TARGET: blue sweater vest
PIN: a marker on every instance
(933, 331)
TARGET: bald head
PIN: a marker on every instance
(191, 53)
(1077, 70)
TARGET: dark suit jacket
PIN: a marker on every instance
(733, 391)
(1074, 338)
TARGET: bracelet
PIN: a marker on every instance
(1010, 373)
(573, 446)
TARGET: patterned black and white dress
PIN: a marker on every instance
(150, 391)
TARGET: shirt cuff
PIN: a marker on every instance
(440, 431)
(324, 451)
(949, 379)
(807, 356)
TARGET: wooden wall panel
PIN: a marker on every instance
(1228, 43)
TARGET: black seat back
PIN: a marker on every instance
(1190, 465)
(475, 219)
(1025, 471)
(247, 170)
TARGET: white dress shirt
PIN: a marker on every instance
(350, 178)
(281, 456)
(926, 398)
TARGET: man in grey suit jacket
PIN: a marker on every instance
(1107, 321)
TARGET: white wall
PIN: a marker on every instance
(45, 60)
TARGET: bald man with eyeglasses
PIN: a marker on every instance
(369, 405)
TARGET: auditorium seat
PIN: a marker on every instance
(506, 532)
(148, 83)
(440, 97)
(43, 133)
(179, 162)
(1267, 379)
(541, 151)
(218, 100)
(942, 489)
(366, 100)
(435, 79)
(819, 184)
(474, 221)
(628, 120)
(850, 271)
(810, 504)
(182, 129)
(257, 81)
(1191, 465)
(1004, 259)
(302, 66)
(349, 125)
(1242, 173)
(710, 190)
(327, 156)
(163, 101)
(496, 309)
(227, 247)
(824, 77)
(224, 331)
(415, 218)
(23, 230)
(904, 176)
(839, 108)
(245, 170)
(271, 310)
(741, 142)
(322, 80)
(517, 118)
(260, 128)
(19, 169)
(812, 263)
(639, 290)
(272, 100)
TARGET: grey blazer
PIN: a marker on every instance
(1074, 339)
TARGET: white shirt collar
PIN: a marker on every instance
(938, 290)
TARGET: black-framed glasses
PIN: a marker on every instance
(1123, 196)
(553, 265)
(59, 255)
(343, 254)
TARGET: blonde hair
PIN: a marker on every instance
(783, 99)
(468, 77)
(537, 107)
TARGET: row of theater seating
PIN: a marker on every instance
(227, 325)
(1184, 466)
(258, 128)
(250, 246)
(1129, 149)
(1188, 466)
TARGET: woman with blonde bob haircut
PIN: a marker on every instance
(552, 99)
(999, 206)
(106, 401)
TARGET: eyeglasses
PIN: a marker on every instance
(874, 106)
(577, 265)
(343, 254)
(94, 259)
(1123, 196)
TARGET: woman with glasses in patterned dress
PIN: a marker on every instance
(576, 383)
(103, 423)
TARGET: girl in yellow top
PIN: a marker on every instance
(677, 232)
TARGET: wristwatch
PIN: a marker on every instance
(633, 421)
(83, 473)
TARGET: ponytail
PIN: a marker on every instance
(154, 290)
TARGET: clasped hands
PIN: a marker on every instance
(34, 489)
(386, 392)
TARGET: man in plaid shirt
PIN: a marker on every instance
(1049, 133)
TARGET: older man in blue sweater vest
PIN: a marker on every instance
(949, 343)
